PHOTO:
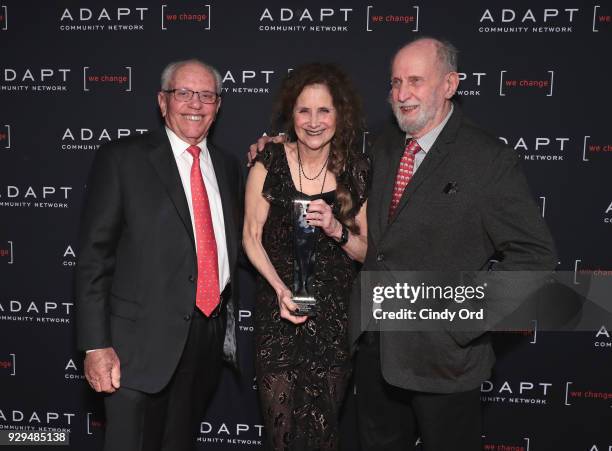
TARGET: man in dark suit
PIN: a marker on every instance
(158, 249)
(459, 198)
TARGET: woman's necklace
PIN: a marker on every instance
(301, 171)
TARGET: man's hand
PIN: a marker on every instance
(257, 147)
(102, 370)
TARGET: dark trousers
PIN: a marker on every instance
(168, 420)
(391, 418)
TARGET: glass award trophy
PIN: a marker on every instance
(304, 239)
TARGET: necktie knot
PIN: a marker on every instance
(194, 151)
(412, 146)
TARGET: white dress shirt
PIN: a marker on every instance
(184, 161)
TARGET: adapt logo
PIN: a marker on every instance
(531, 20)
(85, 138)
(305, 20)
(29, 79)
(538, 148)
(513, 392)
(8, 365)
(197, 15)
(3, 17)
(470, 83)
(595, 148)
(103, 19)
(242, 434)
(248, 81)
(94, 79)
(45, 196)
(603, 340)
(72, 372)
(510, 84)
(407, 18)
(473, 83)
(69, 257)
(56, 312)
(44, 420)
(6, 252)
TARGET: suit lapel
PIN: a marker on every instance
(162, 159)
(389, 163)
(221, 173)
(434, 158)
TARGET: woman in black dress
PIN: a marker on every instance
(302, 362)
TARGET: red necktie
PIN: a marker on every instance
(207, 292)
(404, 174)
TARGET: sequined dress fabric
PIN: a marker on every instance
(303, 370)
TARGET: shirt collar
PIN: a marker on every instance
(427, 141)
(179, 146)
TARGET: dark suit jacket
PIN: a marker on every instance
(135, 279)
(491, 213)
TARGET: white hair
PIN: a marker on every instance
(169, 71)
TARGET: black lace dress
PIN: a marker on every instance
(302, 370)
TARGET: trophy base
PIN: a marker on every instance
(306, 305)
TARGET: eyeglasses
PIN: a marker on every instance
(185, 95)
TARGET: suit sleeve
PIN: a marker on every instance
(521, 239)
(512, 220)
(99, 234)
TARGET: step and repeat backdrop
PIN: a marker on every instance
(77, 74)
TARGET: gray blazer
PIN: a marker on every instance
(490, 212)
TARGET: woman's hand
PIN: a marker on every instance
(287, 306)
(320, 215)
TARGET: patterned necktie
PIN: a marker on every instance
(207, 292)
(404, 174)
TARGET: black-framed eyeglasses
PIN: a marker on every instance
(185, 95)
